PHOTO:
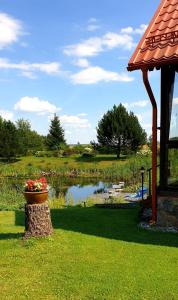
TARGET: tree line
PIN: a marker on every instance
(19, 139)
(118, 131)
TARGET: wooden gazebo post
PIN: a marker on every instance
(154, 142)
(158, 49)
(167, 87)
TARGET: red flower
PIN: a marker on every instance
(37, 185)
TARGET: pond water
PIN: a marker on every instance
(77, 189)
(78, 192)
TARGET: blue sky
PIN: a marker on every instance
(70, 57)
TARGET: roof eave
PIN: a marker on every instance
(151, 65)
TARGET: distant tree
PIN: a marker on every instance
(149, 141)
(23, 125)
(29, 139)
(9, 139)
(56, 134)
(136, 134)
(1, 122)
(103, 149)
(78, 148)
(119, 130)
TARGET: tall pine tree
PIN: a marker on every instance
(119, 130)
(56, 134)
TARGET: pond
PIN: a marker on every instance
(77, 189)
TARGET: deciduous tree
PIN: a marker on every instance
(9, 139)
(29, 139)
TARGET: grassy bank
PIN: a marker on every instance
(103, 166)
(93, 254)
(61, 170)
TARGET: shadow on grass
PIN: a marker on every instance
(19, 218)
(9, 161)
(8, 236)
(118, 224)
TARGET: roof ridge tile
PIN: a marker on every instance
(159, 44)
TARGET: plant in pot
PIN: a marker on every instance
(36, 191)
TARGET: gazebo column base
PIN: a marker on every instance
(167, 210)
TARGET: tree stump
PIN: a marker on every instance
(37, 220)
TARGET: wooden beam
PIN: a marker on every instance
(167, 89)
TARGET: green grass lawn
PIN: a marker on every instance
(74, 161)
(93, 254)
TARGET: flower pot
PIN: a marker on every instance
(36, 197)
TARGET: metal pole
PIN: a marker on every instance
(149, 182)
(142, 186)
(142, 171)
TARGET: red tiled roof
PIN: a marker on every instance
(159, 44)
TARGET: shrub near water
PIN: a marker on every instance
(10, 199)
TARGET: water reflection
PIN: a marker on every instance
(75, 188)
(79, 192)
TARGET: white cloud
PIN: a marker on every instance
(28, 74)
(75, 121)
(82, 63)
(68, 132)
(93, 46)
(96, 74)
(148, 128)
(112, 40)
(139, 116)
(10, 30)
(93, 24)
(24, 44)
(92, 20)
(147, 125)
(36, 105)
(7, 115)
(82, 135)
(141, 103)
(82, 115)
(49, 68)
(175, 101)
(130, 30)
(28, 69)
(93, 27)
(90, 47)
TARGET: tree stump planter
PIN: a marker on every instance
(37, 220)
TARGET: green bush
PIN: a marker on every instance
(88, 155)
